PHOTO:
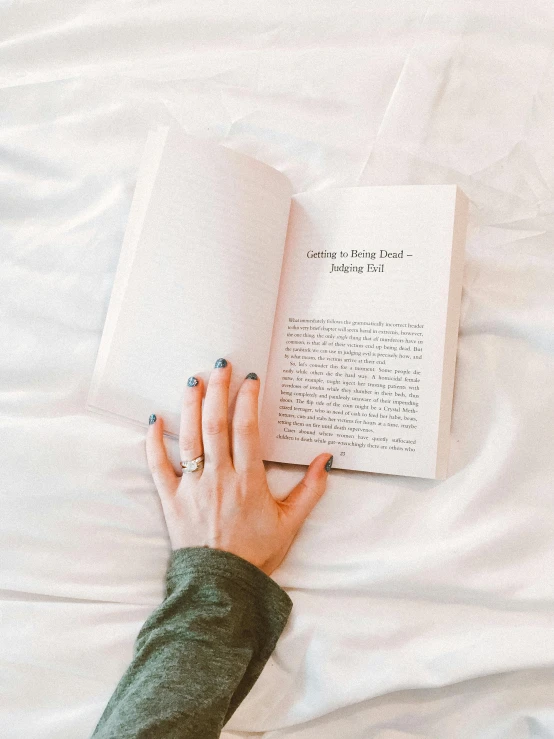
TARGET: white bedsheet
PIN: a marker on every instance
(422, 609)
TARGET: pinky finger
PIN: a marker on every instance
(164, 476)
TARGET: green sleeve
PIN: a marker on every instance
(200, 652)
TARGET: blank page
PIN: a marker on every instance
(197, 278)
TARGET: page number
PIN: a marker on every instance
(342, 454)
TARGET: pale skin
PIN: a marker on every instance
(228, 504)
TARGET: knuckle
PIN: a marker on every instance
(213, 426)
(190, 402)
(213, 474)
(188, 443)
(217, 489)
(246, 426)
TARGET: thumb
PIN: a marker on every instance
(303, 497)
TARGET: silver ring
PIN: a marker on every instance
(192, 465)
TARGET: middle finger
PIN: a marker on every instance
(215, 414)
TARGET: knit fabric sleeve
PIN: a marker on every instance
(200, 652)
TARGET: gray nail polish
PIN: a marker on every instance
(329, 463)
(251, 376)
(221, 363)
(192, 382)
(152, 419)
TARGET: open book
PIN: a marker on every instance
(344, 301)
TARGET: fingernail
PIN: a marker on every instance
(192, 382)
(329, 463)
(221, 363)
(152, 419)
(251, 376)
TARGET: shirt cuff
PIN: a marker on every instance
(267, 602)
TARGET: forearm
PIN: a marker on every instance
(200, 651)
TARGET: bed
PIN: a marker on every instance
(422, 609)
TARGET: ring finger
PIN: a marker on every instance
(190, 432)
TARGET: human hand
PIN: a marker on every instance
(227, 504)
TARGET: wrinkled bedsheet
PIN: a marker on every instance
(422, 609)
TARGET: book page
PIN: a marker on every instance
(197, 278)
(361, 348)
